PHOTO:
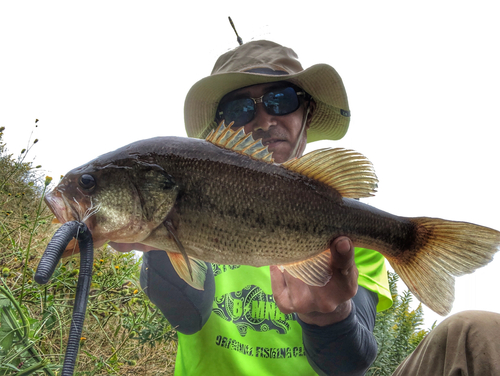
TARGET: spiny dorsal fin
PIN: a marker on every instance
(239, 142)
(348, 172)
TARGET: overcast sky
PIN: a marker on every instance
(422, 79)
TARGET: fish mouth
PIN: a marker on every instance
(58, 204)
(64, 212)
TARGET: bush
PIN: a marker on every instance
(396, 331)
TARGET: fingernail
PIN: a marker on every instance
(343, 246)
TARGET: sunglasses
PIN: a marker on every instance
(279, 102)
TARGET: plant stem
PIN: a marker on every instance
(28, 248)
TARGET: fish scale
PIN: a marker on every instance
(259, 214)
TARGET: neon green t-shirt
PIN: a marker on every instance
(247, 334)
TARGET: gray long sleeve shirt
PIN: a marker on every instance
(344, 348)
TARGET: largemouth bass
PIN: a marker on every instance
(223, 200)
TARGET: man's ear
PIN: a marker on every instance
(312, 108)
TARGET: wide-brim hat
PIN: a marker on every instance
(260, 62)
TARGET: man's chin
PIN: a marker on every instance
(281, 151)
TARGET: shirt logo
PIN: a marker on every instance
(251, 308)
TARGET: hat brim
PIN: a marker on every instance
(330, 120)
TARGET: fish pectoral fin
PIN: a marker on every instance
(348, 172)
(193, 274)
(191, 270)
(171, 229)
(315, 271)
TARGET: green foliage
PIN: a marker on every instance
(123, 332)
(396, 331)
(16, 349)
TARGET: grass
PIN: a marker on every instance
(124, 333)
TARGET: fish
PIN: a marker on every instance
(224, 200)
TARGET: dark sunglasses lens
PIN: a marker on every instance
(241, 111)
(282, 101)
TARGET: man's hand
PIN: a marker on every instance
(320, 305)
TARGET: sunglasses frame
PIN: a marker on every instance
(219, 114)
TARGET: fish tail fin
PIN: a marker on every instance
(443, 250)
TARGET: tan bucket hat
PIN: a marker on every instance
(259, 62)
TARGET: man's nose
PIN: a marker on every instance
(261, 121)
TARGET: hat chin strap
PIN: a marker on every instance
(302, 129)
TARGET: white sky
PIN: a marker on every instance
(422, 79)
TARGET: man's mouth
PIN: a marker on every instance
(271, 142)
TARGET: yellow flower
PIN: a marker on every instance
(5, 272)
(136, 291)
(48, 179)
(117, 267)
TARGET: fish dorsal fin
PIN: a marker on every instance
(239, 142)
(348, 172)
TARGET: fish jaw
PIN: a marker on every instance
(64, 212)
(77, 208)
(59, 207)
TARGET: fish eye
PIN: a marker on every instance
(87, 181)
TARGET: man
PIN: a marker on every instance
(240, 325)
(250, 328)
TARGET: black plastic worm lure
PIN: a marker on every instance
(46, 267)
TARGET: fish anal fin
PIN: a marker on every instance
(315, 271)
(239, 142)
(198, 268)
(348, 172)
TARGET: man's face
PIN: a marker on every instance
(281, 133)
